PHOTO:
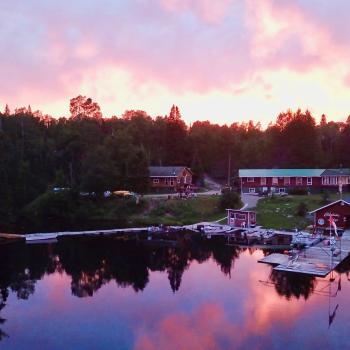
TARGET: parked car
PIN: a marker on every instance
(123, 193)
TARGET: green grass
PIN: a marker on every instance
(179, 211)
(280, 212)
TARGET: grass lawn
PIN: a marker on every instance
(179, 211)
(280, 212)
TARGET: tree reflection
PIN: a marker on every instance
(290, 285)
(94, 262)
(225, 256)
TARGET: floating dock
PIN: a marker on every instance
(318, 260)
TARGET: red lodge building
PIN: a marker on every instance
(281, 181)
(173, 178)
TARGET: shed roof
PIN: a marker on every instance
(280, 172)
(329, 205)
(169, 171)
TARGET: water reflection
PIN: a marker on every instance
(92, 263)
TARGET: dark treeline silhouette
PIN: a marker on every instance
(89, 153)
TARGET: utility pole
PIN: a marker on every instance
(229, 171)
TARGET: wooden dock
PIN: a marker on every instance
(6, 238)
(318, 260)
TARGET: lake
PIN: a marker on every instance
(102, 293)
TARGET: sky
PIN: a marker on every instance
(225, 61)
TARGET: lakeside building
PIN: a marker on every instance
(282, 181)
(338, 210)
(241, 218)
(173, 178)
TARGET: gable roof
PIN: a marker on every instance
(166, 171)
(329, 205)
(280, 172)
(336, 172)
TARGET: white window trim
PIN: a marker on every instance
(251, 190)
(171, 182)
(299, 180)
(275, 181)
(281, 190)
(250, 179)
(330, 180)
(156, 181)
(263, 181)
(309, 181)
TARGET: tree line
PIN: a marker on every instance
(87, 152)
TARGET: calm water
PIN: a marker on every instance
(105, 294)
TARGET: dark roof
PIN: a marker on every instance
(336, 172)
(168, 171)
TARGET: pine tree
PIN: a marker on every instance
(7, 110)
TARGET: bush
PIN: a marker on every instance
(325, 198)
(298, 191)
(230, 200)
(301, 209)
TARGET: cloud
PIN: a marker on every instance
(187, 49)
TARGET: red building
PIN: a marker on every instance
(285, 180)
(241, 218)
(339, 210)
(173, 178)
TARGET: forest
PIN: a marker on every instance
(87, 152)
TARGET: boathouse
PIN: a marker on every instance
(241, 218)
(174, 178)
(339, 210)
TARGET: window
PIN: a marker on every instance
(333, 180)
(263, 181)
(282, 190)
(178, 180)
(240, 216)
(299, 180)
(156, 181)
(287, 181)
(250, 179)
(275, 181)
(166, 181)
(309, 181)
(252, 190)
(171, 182)
(329, 180)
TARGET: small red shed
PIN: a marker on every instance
(241, 218)
(339, 210)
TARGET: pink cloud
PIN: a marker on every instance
(183, 45)
(207, 10)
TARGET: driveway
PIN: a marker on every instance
(249, 201)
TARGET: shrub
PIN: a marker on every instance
(325, 198)
(302, 209)
(230, 200)
(298, 191)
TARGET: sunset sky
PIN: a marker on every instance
(224, 61)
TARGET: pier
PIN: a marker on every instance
(317, 260)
